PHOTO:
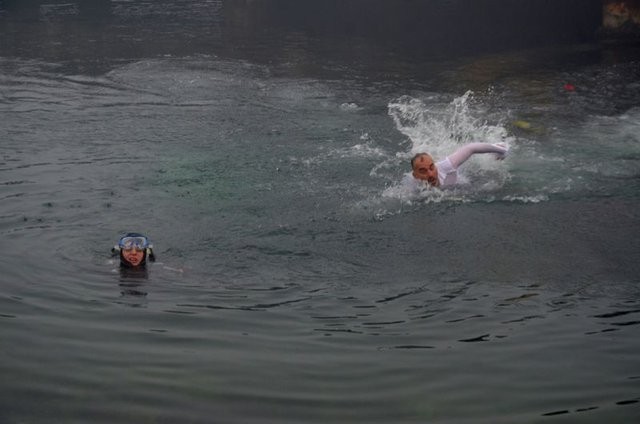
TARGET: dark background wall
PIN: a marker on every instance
(440, 25)
(417, 26)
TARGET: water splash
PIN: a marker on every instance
(439, 127)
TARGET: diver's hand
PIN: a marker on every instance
(504, 150)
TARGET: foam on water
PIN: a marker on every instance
(438, 125)
(594, 156)
(440, 128)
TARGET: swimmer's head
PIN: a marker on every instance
(425, 169)
(134, 249)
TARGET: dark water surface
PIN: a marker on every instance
(297, 281)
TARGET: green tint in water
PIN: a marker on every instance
(289, 287)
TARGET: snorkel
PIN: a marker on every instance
(133, 250)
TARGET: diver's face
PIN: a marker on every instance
(133, 256)
(424, 169)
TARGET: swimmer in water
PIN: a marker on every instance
(445, 172)
(134, 249)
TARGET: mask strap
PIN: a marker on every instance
(150, 254)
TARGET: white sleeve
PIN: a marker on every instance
(461, 155)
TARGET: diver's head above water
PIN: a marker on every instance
(134, 249)
(425, 169)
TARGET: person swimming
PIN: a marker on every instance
(425, 171)
(134, 250)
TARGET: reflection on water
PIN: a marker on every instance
(132, 284)
(296, 286)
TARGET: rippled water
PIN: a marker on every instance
(296, 281)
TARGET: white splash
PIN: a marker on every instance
(441, 128)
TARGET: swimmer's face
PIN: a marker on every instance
(133, 256)
(424, 169)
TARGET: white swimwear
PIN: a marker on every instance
(447, 174)
(447, 171)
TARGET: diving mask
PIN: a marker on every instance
(137, 242)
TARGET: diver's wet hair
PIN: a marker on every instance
(416, 156)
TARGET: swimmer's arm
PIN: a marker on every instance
(461, 155)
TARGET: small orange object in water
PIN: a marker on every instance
(570, 87)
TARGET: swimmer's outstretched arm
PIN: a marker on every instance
(461, 155)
